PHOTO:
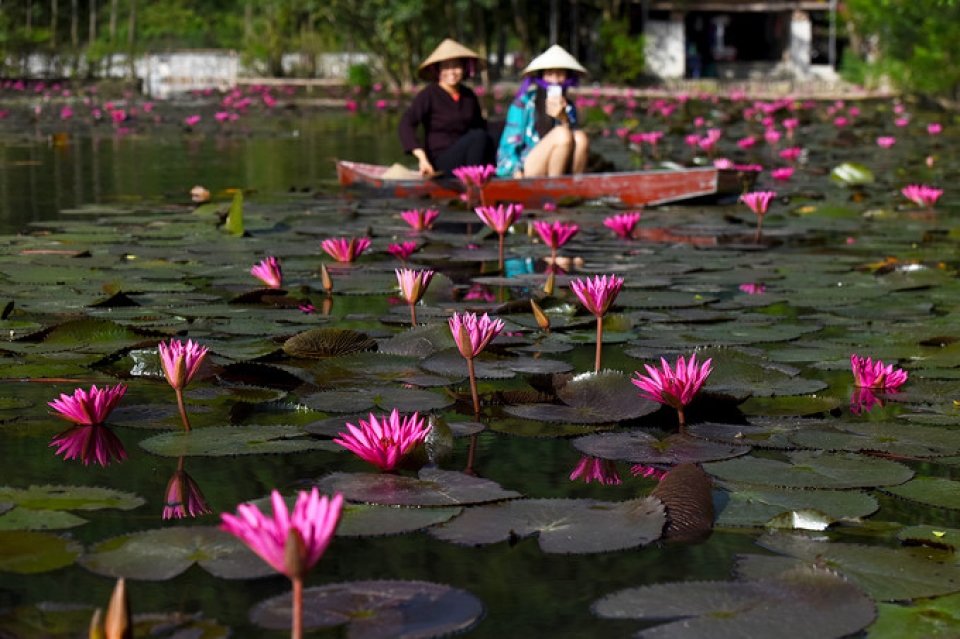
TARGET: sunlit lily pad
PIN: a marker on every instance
(808, 469)
(434, 487)
(28, 552)
(851, 174)
(161, 554)
(563, 525)
(933, 491)
(642, 448)
(886, 574)
(234, 440)
(812, 603)
(377, 609)
(751, 506)
(936, 618)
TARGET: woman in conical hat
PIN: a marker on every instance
(454, 130)
(541, 136)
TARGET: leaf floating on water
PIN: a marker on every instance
(747, 505)
(433, 487)
(234, 440)
(920, 619)
(810, 602)
(933, 491)
(28, 552)
(377, 609)
(30, 519)
(70, 498)
(640, 447)
(809, 469)
(371, 520)
(789, 406)
(934, 536)
(915, 441)
(234, 222)
(328, 342)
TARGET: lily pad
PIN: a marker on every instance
(70, 498)
(851, 174)
(913, 441)
(405, 400)
(936, 536)
(936, 618)
(328, 342)
(569, 526)
(752, 506)
(812, 603)
(161, 554)
(642, 448)
(809, 469)
(772, 433)
(30, 519)
(789, 405)
(377, 609)
(370, 520)
(28, 552)
(433, 487)
(933, 491)
(234, 440)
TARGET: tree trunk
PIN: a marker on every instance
(29, 16)
(92, 33)
(554, 22)
(522, 28)
(54, 11)
(75, 23)
(247, 23)
(113, 20)
(132, 39)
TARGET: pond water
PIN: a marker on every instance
(114, 259)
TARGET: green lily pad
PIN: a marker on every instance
(30, 519)
(752, 506)
(642, 448)
(161, 554)
(383, 609)
(70, 498)
(545, 420)
(387, 398)
(812, 603)
(913, 441)
(808, 469)
(789, 406)
(371, 520)
(885, 574)
(936, 536)
(433, 487)
(936, 618)
(763, 433)
(576, 526)
(28, 552)
(234, 440)
(933, 491)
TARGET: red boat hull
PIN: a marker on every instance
(632, 188)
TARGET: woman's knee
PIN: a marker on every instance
(581, 139)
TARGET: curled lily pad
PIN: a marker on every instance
(808, 469)
(933, 491)
(161, 554)
(752, 506)
(563, 525)
(234, 440)
(27, 552)
(811, 602)
(377, 609)
(886, 574)
(434, 487)
(328, 342)
(642, 448)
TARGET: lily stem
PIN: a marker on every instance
(473, 386)
(183, 411)
(296, 623)
(596, 366)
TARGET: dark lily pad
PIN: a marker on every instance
(933, 491)
(914, 441)
(434, 487)
(567, 526)
(328, 342)
(809, 469)
(935, 536)
(544, 420)
(752, 506)
(772, 433)
(28, 552)
(405, 400)
(371, 520)
(377, 609)
(642, 448)
(789, 406)
(609, 392)
(69, 498)
(885, 574)
(811, 602)
(30, 519)
(161, 554)
(451, 363)
(234, 440)
(936, 618)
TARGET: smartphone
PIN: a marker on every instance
(554, 91)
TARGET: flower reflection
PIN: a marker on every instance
(639, 470)
(90, 442)
(594, 469)
(183, 497)
(863, 400)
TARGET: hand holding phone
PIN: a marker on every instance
(554, 91)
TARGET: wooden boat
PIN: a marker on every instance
(629, 188)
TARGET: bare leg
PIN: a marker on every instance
(551, 154)
(581, 151)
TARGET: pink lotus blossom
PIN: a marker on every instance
(311, 524)
(500, 218)
(351, 106)
(549, 207)
(929, 161)
(381, 105)
(413, 284)
(747, 142)
(473, 334)
(343, 250)
(674, 387)
(651, 137)
(790, 124)
(772, 136)
(623, 224)
(268, 271)
(118, 116)
(221, 116)
(934, 128)
(901, 122)
(758, 201)
(475, 176)
(886, 141)
(782, 174)
(593, 469)
(181, 361)
(184, 497)
(402, 251)
(840, 122)
(790, 154)
(557, 234)
(898, 108)
(753, 289)
(639, 470)
(192, 120)
(307, 308)
(870, 374)
(66, 113)
(384, 442)
(922, 195)
(598, 293)
(420, 219)
(87, 408)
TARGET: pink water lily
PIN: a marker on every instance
(180, 362)
(420, 219)
(922, 195)
(934, 128)
(753, 289)
(886, 141)
(623, 224)
(782, 174)
(413, 284)
(791, 153)
(674, 387)
(759, 203)
(402, 251)
(472, 335)
(385, 442)
(476, 176)
(593, 469)
(88, 407)
(345, 250)
(500, 219)
(874, 374)
(268, 271)
(640, 470)
(597, 294)
(291, 542)
(183, 497)
(555, 235)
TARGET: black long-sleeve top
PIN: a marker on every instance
(444, 119)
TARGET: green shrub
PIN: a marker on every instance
(623, 57)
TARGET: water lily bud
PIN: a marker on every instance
(325, 278)
(118, 624)
(549, 284)
(542, 320)
(294, 554)
(96, 625)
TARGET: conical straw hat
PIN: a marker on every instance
(449, 49)
(556, 57)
